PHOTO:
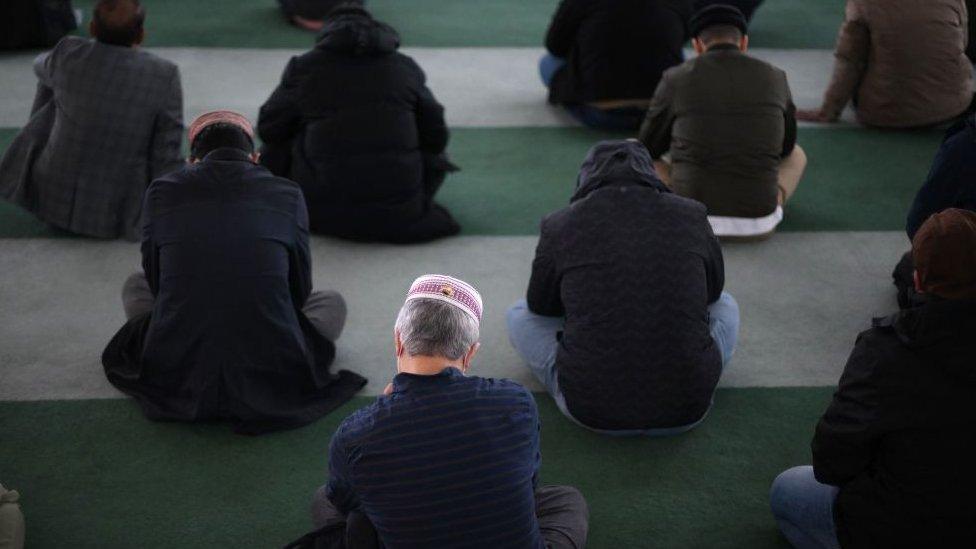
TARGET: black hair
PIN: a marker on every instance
(221, 135)
(118, 22)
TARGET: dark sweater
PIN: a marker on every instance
(899, 438)
(632, 267)
(225, 252)
(615, 49)
(728, 120)
(445, 461)
(952, 180)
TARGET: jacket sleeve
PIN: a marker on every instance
(850, 61)
(565, 24)
(280, 119)
(714, 265)
(150, 251)
(543, 296)
(789, 121)
(44, 70)
(339, 488)
(655, 132)
(165, 154)
(847, 434)
(300, 258)
(431, 125)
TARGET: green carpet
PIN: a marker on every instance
(443, 23)
(857, 179)
(95, 473)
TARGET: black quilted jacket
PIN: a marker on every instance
(633, 268)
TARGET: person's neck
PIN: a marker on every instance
(426, 365)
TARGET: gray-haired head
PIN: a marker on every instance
(430, 327)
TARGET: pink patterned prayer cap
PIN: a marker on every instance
(449, 290)
(218, 117)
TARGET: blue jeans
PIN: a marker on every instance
(534, 338)
(623, 119)
(804, 509)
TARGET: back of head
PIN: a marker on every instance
(220, 136)
(118, 22)
(219, 130)
(350, 29)
(440, 318)
(434, 328)
(944, 250)
(719, 24)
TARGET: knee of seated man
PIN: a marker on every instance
(783, 491)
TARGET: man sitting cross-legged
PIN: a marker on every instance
(223, 323)
(893, 454)
(726, 121)
(902, 63)
(444, 459)
(106, 121)
(626, 323)
(604, 58)
(355, 125)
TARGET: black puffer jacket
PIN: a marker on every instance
(355, 125)
(633, 268)
(615, 49)
(899, 437)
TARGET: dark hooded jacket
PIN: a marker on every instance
(899, 438)
(354, 123)
(633, 268)
(615, 49)
(225, 253)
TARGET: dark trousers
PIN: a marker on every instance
(561, 511)
(326, 311)
(312, 9)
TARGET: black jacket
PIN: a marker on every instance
(632, 267)
(34, 23)
(615, 49)
(225, 252)
(899, 438)
(952, 180)
(313, 9)
(362, 133)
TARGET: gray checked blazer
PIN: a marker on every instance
(106, 121)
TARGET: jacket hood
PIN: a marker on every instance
(617, 163)
(353, 31)
(943, 331)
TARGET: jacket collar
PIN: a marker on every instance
(228, 154)
(407, 382)
(722, 47)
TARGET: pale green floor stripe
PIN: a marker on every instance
(480, 87)
(804, 298)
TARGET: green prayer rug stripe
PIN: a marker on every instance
(96, 473)
(857, 179)
(443, 23)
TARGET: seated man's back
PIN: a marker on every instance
(902, 63)
(106, 122)
(615, 49)
(355, 125)
(633, 268)
(444, 461)
(728, 122)
(225, 254)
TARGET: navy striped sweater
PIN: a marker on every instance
(445, 461)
